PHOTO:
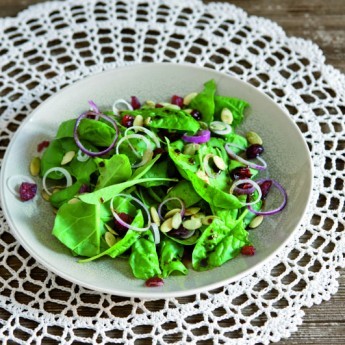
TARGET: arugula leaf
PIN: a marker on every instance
(77, 226)
(171, 254)
(144, 259)
(204, 101)
(112, 171)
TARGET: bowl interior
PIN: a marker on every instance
(286, 154)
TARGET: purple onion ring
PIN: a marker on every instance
(201, 137)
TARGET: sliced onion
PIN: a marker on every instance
(129, 226)
(80, 145)
(201, 137)
(56, 169)
(148, 153)
(249, 181)
(233, 155)
(166, 201)
(116, 109)
(156, 233)
(220, 128)
(280, 207)
(208, 170)
(93, 106)
(188, 234)
(147, 131)
(82, 157)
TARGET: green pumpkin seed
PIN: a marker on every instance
(253, 138)
(226, 116)
(35, 166)
(187, 99)
(256, 222)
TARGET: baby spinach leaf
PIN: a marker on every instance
(112, 171)
(204, 101)
(187, 241)
(185, 191)
(235, 105)
(141, 171)
(171, 254)
(66, 129)
(77, 226)
(144, 259)
(106, 193)
(159, 170)
(65, 194)
(82, 171)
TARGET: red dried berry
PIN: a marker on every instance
(121, 229)
(27, 191)
(42, 145)
(248, 250)
(196, 114)
(159, 105)
(240, 173)
(265, 188)
(154, 282)
(177, 100)
(127, 120)
(254, 151)
(135, 103)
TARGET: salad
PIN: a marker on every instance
(168, 186)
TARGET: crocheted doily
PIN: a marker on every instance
(54, 44)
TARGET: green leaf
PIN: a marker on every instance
(235, 105)
(171, 254)
(186, 192)
(112, 171)
(66, 194)
(77, 226)
(66, 129)
(204, 101)
(144, 259)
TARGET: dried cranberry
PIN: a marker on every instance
(154, 282)
(245, 186)
(135, 103)
(240, 173)
(159, 105)
(254, 150)
(248, 250)
(27, 191)
(196, 114)
(177, 100)
(265, 188)
(84, 189)
(42, 145)
(181, 232)
(159, 151)
(121, 229)
(127, 120)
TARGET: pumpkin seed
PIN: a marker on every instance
(147, 121)
(192, 224)
(110, 239)
(170, 106)
(191, 149)
(198, 215)
(219, 162)
(35, 166)
(167, 225)
(208, 220)
(110, 229)
(176, 220)
(45, 195)
(67, 157)
(73, 201)
(150, 104)
(226, 116)
(172, 212)
(187, 99)
(138, 121)
(256, 221)
(254, 138)
(188, 111)
(155, 216)
(191, 211)
(202, 175)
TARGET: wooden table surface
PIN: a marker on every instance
(324, 23)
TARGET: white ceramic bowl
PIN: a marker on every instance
(287, 156)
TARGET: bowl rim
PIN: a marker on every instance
(153, 294)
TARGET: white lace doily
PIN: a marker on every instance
(54, 44)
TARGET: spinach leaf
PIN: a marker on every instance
(204, 101)
(235, 105)
(106, 193)
(125, 243)
(66, 129)
(144, 259)
(66, 194)
(159, 170)
(170, 258)
(77, 226)
(82, 171)
(112, 171)
(141, 171)
(185, 191)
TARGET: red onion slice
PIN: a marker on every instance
(255, 186)
(201, 137)
(156, 233)
(58, 169)
(129, 226)
(80, 145)
(124, 103)
(93, 106)
(233, 155)
(280, 207)
(145, 130)
(167, 200)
